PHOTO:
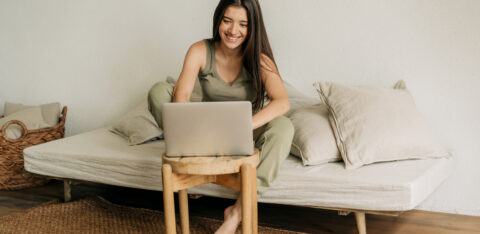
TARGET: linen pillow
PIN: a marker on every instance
(137, 125)
(373, 124)
(297, 99)
(31, 117)
(50, 111)
(313, 141)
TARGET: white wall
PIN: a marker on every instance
(100, 57)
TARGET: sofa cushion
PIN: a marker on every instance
(137, 125)
(313, 141)
(107, 158)
(374, 124)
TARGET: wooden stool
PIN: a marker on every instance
(235, 172)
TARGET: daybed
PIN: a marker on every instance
(381, 188)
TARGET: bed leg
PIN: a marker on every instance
(361, 225)
(67, 190)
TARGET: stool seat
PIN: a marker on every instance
(235, 172)
(210, 165)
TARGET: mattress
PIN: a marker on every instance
(103, 157)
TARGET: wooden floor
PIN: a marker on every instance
(300, 219)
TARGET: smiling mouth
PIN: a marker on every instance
(232, 38)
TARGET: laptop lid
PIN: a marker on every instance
(208, 128)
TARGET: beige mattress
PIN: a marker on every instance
(101, 156)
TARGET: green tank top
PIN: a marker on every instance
(216, 89)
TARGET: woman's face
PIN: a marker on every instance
(234, 27)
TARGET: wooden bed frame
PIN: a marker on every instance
(359, 214)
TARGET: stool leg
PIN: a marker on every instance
(254, 202)
(168, 201)
(361, 226)
(183, 197)
(246, 171)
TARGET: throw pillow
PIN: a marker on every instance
(373, 124)
(313, 141)
(31, 117)
(50, 111)
(138, 125)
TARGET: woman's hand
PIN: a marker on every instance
(276, 92)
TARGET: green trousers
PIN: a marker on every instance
(272, 139)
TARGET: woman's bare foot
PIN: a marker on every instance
(232, 216)
(227, 211)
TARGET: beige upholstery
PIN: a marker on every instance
(137, 125)
(375, 124)
(101, 156)
(313, 141)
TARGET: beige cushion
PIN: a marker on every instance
(137, 125)
(373, 124)
(31, 117)
(313, 141)
(50, 111)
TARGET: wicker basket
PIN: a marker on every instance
(12, 173)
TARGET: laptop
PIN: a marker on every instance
(208, 128)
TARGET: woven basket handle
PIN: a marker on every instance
(18, 122)
(64, 115)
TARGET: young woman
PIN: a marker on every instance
(237, 64)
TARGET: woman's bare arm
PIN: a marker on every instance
(276, 92)
(194, 63)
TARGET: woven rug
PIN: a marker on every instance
(97, 215)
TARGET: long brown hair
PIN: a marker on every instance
(254, 45)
